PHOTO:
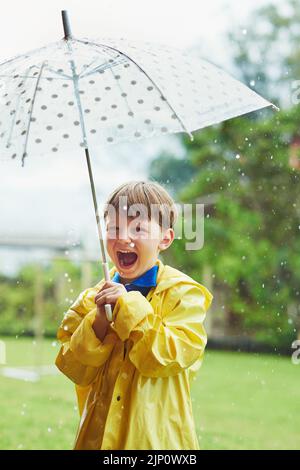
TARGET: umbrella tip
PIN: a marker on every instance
(66, 24)
(275, 107)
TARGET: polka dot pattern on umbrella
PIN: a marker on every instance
(123, 91)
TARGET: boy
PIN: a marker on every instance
(133, 374)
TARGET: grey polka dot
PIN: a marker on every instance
(140, 101)
(18, 122)
(97, 98)
(76, 123)
(107, 88)
(164, 129)
(133, 82)
(23, 132)
(43, 107)
(93, 131)
(66, 136)
(81, 92)
(54, 149)
(137, 134)
(150, 88)
(14, 155)
(124, 95)
(54, 96)
(60, 115)
(117, 77)
(49, 128)
(33, 119)
(130, 113)
(110, 139)
(120, 126)
(92, 82)
(114, 106)
(103, 118)
(65, 85)
(87, 111)
(157, 108)
(147, 121)
(71, 103)
(38, 141)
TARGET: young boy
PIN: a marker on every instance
(133, 374)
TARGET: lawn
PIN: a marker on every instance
(240, 401)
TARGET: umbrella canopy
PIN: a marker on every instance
(86, 92)
(81, 92)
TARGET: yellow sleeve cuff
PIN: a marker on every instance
(130, 309)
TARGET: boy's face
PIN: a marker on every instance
(142, 238)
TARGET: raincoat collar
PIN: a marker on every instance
(167, 276)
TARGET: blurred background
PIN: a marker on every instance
(246, 172)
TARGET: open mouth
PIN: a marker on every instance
(127, 258)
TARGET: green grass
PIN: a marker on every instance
(240, 401)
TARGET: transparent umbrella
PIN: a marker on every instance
(86, 92)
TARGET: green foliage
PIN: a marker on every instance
(252, 228)
(61, 284)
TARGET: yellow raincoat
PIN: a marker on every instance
(133, 389)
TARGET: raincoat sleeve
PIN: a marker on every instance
(82, 353)
(169, 340)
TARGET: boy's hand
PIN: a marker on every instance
(109, 293)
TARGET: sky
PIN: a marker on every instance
(53, 196)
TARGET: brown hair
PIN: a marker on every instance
(146, 193)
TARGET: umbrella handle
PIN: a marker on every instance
(107, 307)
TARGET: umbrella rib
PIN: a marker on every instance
(142, 70)
(31, 111)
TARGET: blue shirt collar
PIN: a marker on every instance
(148, 279)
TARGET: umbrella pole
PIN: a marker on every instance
(107, 307)
(68, 36)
